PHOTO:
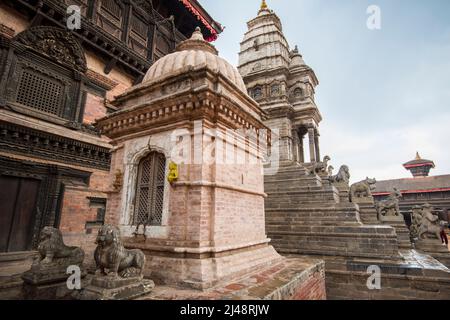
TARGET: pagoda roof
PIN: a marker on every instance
(414, 185)
(418, 162)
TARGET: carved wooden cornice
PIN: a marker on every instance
(6, 32)
(16, 139)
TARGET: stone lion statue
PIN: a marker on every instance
(362, 189)
(343, 175)
(111, 255)
(390, 207)
(320, 167)
(429, 227)
(52, 249)
(416, 221)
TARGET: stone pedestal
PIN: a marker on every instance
(110, 288)
(434, 248)
(344, 191)
(291, 278)
(367, 211)
(404, 240)
(47, 283)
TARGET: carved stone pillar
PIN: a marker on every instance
(301, 148)
(312, 149)
(316, 144)
(295, 145)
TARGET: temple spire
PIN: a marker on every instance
(418, 156)
(263, 5)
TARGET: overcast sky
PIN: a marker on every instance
(384, 94)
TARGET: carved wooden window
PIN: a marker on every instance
(109, 17)
(138, 35)
(163, 44)
(41, 92)
(150, 190)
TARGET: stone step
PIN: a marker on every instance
(291, 188)
(360, 244)
(316, 230)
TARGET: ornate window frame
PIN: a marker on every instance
(135, 151)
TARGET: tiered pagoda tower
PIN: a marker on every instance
(309, 212)
(283, 85)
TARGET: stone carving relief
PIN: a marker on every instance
(275, 90)
(257, 93)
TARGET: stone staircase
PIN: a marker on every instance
(305, 215)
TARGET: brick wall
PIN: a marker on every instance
(94, 108)
(313, 288)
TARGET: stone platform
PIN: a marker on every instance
(413, 276)
(12, 265)
(298, 278)
(307, 215)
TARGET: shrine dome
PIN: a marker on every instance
(193, 54)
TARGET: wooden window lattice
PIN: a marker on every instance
(150, 190)
(40, 93)
(112, 7)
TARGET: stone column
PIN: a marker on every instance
(316, 143)
(312, 149)
(302, 150)
(295, 145)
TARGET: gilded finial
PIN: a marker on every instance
(418, 156)
(263, 5)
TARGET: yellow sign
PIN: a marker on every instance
(173, 172)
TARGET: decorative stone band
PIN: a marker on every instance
(205, 106)
(200, 253)
(218, 185)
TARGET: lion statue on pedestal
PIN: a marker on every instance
(52, 249)
(111, 255)
(429, 227)
(343, 175)
(362, 189)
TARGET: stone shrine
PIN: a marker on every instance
(188, 143)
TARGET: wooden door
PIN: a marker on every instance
(18, 198)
